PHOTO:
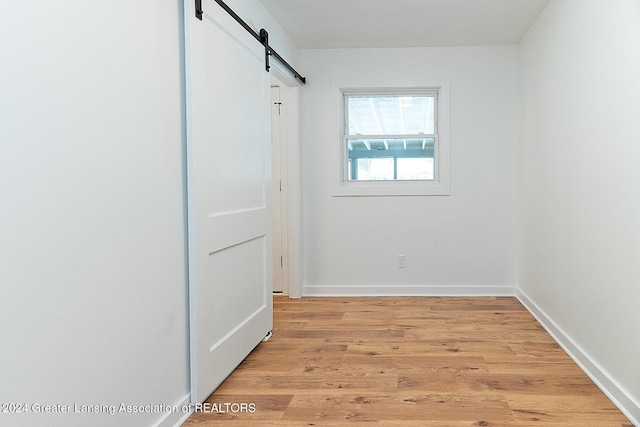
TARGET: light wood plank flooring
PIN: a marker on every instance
(408, 361)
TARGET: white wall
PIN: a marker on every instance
(580, 182)
(92, 221)
(92, 247)
(466, 239)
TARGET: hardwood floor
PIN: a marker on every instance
(407, 361)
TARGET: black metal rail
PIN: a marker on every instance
(262, 37)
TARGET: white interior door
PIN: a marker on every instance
(229, 186)
(278, 255)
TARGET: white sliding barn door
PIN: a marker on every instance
(229, 184)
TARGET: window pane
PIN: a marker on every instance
(416, 168)
(391, 159)
(391, 114)
(375, 169)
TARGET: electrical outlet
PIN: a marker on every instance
(402, 261)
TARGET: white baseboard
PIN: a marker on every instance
(178, 417)
(627, 405)
(406, 290)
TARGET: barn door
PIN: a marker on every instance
(229, 184)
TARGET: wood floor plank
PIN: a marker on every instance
(561, 410)
(408, 361)
(373, 407)
(501, 384)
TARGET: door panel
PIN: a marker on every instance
(240, 290)
(235, 115)
(229, 179)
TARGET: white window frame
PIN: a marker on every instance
(439, 186)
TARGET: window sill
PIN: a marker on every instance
(391, 188)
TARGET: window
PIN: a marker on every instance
(391, 141)
(390, 136)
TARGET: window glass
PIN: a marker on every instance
(416, 168)
(375, 169)
(391, 136)
(391, 114)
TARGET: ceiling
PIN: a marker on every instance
(404, 23)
